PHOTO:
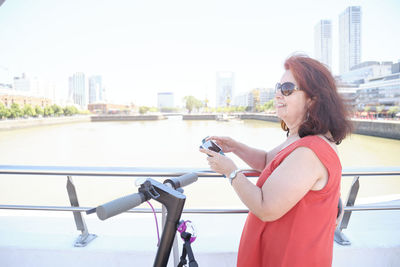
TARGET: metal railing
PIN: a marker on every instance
(85, 237)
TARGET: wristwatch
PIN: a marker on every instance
(233, 175)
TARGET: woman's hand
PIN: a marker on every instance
(219, 163)
(226, 143)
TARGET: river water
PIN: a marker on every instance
(166, 143)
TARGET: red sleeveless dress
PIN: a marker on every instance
(304, 235)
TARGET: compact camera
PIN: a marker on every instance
(212, 146)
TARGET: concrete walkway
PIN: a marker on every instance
(29, 238)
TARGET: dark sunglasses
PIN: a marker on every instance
(286, 88)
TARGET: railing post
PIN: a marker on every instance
(340, 238)
(85, 237)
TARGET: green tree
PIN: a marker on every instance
(153, 109)
(57, 110)
(3, 111)
(143, 109)
(256, 97)
(259, 108)
(28, 111)
(15, 111)
(192, 103)
(75, 110)
(269, 105)
(220, 109)
(379, 110)
(48, 111)
(393, 110)
(70, 110)
(241, 109)
(38, 111)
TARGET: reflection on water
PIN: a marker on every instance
(168, 143)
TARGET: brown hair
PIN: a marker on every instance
(327, 111)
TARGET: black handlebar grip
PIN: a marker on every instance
(119, 205)
(183, 180)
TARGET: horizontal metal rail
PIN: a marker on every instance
(157, 172)
(200, 211)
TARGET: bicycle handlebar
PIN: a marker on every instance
(183, 180)
(128, 202)
(119, 205)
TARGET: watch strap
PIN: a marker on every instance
(233, 175)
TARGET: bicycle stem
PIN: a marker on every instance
(174, 201)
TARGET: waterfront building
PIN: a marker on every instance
(77, 91)
(96, 90)
(349, 38)
(225, 88)
(242, 100)
(260, 96)
(266, 94)
(24, 92)
(107, 108)
(323, 42)
(360, 73)
(165, 100)
(370, 83)
(348, 92)
(379, 91)
(22, 100)
(22, 83)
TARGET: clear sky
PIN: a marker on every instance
(144, 47)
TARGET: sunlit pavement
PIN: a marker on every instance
(46, 239)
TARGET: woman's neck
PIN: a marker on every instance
(294, 128)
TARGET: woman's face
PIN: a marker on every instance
(291, 109)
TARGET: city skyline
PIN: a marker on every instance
(178, 47)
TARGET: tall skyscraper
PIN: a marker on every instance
(323, 42)
(349, 38)
(77, 89)
(225, 88)
(95, 89)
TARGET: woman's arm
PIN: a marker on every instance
(257, 159)
(298, 173)
(286, 186)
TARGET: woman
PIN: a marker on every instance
(293, 206)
